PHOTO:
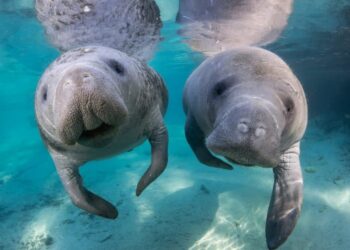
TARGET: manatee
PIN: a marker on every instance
(129, 26)
(247, 106)
(96, 102)
(213, 26)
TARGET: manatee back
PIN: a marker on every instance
(129, 26)
(205, 10)
(211, 26)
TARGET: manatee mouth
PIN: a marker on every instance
(246, 154)
(243, 163)
(251, 158)
(100, 136)
(102, 130)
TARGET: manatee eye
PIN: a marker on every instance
(117, 67)
(224, 85)
(289, 104)
(220, 88)
(44, 93)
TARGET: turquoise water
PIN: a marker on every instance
(190, 206)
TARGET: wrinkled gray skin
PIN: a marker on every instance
(213, 26)
(129, 26)
(247, 106)
(97, 102)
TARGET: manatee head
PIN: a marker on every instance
(249, 123)
(256, 106)
(80, 100)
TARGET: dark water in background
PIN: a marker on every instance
(36, 214)
(316, 46)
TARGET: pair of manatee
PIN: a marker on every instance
(244, 104)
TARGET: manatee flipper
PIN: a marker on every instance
(286, 199)
(80, 196)
(158, 139)
(196, 139)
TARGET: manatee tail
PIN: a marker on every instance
(286, 199)
(82, 113)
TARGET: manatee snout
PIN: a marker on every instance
(88, 108)
(247, 135)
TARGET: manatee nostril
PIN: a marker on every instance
(243, 127)
(86, 75)
(260, 131)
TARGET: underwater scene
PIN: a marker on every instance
(190, 205)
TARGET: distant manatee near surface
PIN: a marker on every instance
(96, 102)
(213, 26)
(132, 27)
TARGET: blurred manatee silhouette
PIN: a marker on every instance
(212, 26)
(129, 26)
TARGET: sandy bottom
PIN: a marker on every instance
(190, 207)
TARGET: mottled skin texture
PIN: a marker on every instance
(129, 26)
(97, 102)
(247, 105)
(213, 26)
